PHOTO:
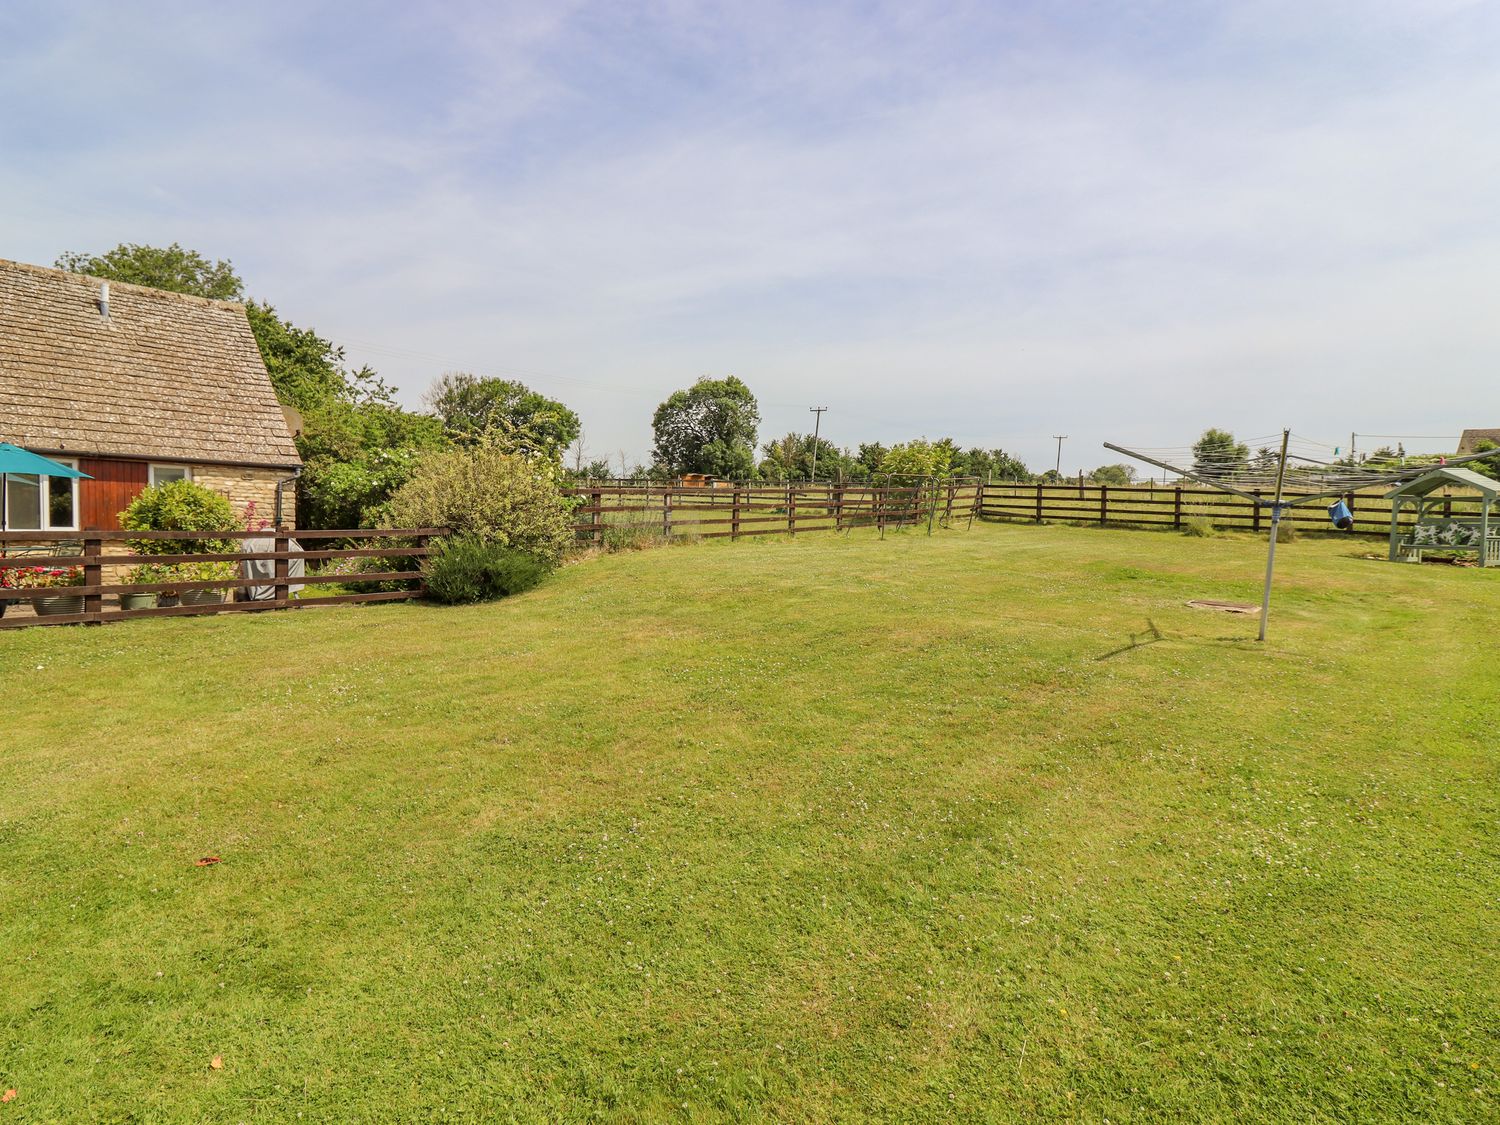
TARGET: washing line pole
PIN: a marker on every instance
(1265, 598)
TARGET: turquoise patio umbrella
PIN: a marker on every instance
(14, 459)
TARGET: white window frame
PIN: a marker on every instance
(45, 486)
(186, 470)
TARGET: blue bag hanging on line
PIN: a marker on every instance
(1342, 517)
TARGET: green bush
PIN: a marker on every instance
(180, 505)
(1199, 527)
(466, 569)
(507, 499)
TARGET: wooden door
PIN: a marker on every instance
(115, 484)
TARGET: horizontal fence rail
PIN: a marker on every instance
(1171, 506)
(101, 556)
(734, 511)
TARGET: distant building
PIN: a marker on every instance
(1469, 443)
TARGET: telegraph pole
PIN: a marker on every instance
(817, 424)
(1057, 469)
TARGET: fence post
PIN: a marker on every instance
(1038, 501)
(422, 541)
(1103, 502)
(666, 512)
(281, 594)
(791, 510)
(1349, 499)
(734, 519)
(596, 517)
(1177, 506)
(92, 576)
(1255, 518)
(836, 497)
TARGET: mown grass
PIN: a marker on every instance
(984, 826)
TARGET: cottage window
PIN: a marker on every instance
(164, 474)
(34, 503)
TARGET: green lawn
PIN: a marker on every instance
(823, 829)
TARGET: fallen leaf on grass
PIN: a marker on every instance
(217, 1063)
(9, 1095)
(208, 861)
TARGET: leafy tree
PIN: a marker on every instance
(708, 428)
(1217, 451)
(791, 458)
(990, 464)
(1112, 474)
(919, 458)
(472, 406)
(173, 267)
(867, 460)
(1051, 476)
(1489, 466)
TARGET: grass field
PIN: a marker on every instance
(824, 829)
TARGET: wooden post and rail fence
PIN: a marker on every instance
(734, 511)
(101, 555)
(1173, 506)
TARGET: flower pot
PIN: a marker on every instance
(167, 601)
(58, 604)
(202, 597)
(138, 601)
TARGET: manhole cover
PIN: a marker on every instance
(1225, 607)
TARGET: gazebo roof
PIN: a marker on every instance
(1442, 477)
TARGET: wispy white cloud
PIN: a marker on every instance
(990, 221)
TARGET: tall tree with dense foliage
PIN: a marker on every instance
(708, 428)
(1217, 451)
(919, 458)
(172, 267)
(473, 406)
(791, 458)
(1112, 474)
(990, 464)
(356, 444)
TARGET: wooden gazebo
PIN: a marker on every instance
(1438, 527)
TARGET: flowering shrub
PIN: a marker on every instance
(40, 577)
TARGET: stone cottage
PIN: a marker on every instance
(134, 386)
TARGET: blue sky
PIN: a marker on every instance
(998, 222)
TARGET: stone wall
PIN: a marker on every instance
(244, 486)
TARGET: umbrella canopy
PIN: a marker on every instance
(14, 459)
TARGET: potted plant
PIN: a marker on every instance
(143, 575)
(49, 578)
(204, 572)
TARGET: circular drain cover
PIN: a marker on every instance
(1225, 607)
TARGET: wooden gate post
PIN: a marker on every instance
(1177, 506)
(734, 519)
(93, 574)
(596, 517)
(1038, 501)
(422, 541)
(666, 512)
(1103, 502)
(791, 510)
(1255, 518)
(282, 592)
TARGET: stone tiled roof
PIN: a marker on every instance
(1469, 443)
(164, 376)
